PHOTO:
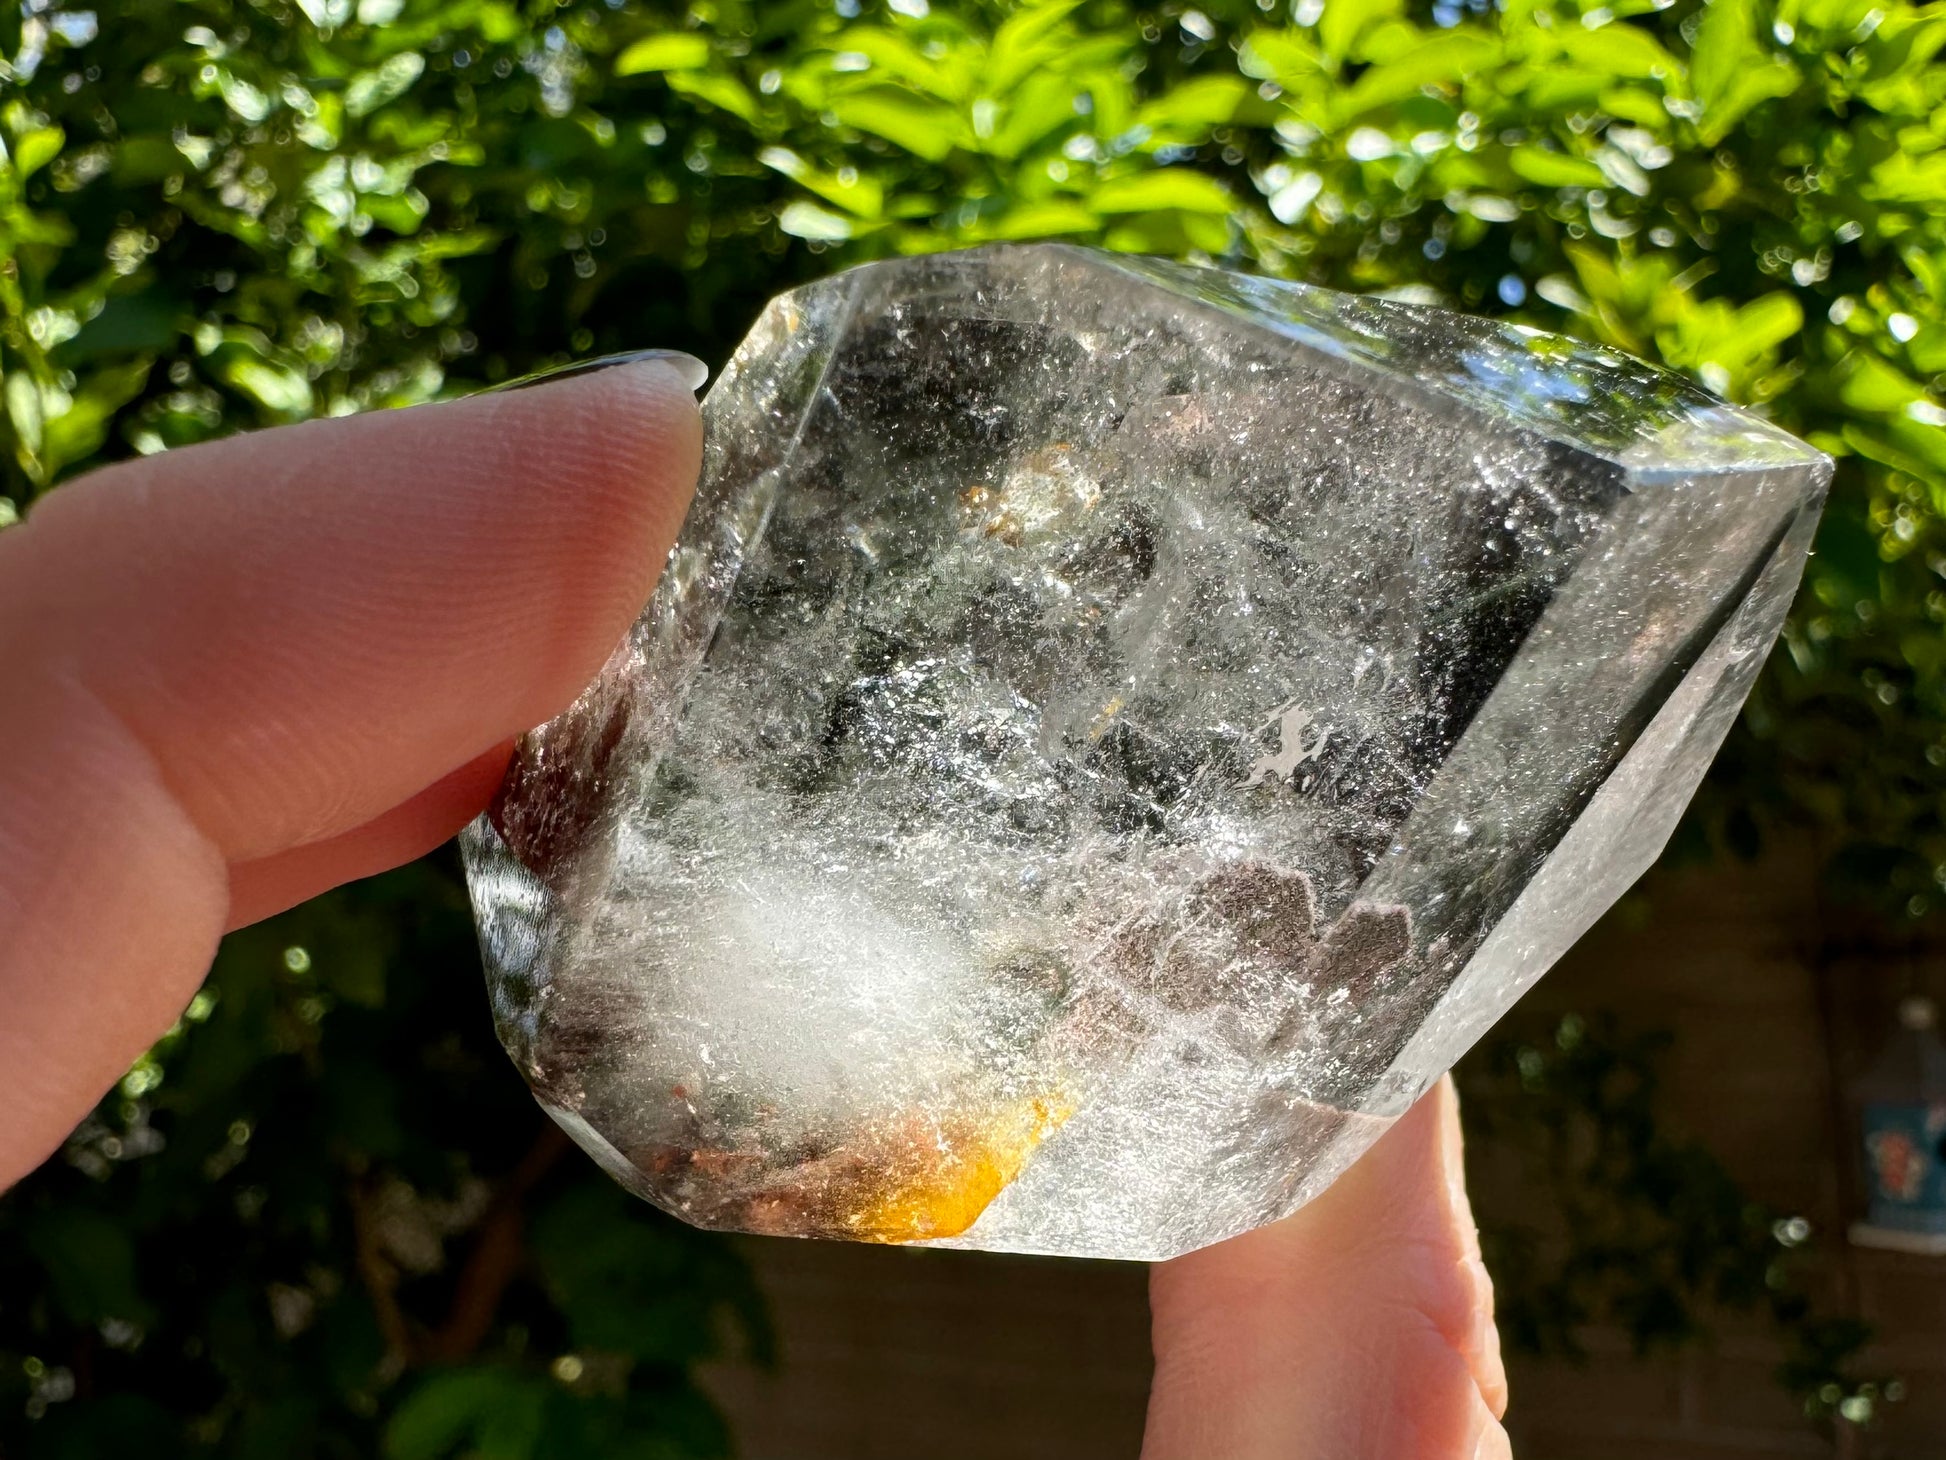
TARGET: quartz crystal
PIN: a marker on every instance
(1109, 736)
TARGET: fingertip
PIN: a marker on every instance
(310, 625)
(612, 459)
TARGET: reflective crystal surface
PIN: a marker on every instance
(1111, 734)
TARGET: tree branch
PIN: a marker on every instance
(496, 1255)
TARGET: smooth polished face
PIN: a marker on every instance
(1109, 737)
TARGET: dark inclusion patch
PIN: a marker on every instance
(1249, 928)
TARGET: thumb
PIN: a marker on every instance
(1360, 1328)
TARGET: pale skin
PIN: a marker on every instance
(241, 673)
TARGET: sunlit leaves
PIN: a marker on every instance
(924, 128)
(1550, 169)
(1732, 70)
(1346, 23)
(671, 51)
(819, 225)
(1286, 57)
(1174, 187)
(384, 84)
(723, 92)
(1619, 50)
(35, 149)
(1437, 61)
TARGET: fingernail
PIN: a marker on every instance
(693, 371)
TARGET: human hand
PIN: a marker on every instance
(1359, 1329)
(239, 674)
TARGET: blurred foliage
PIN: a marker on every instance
(1622, 1225)
(224, 213)
(322, 1219)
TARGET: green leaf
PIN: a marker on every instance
(1927, 350)
(1441, 61)
(1169, 233)
(1766, 323)
(402, 214)
(1928, 271)
(672, 51)
(1902, 48)
(36, 149)
(1550, 169)
(456, 243)
(1869, 385)
(923, 128)
(1618, 50)
(1039, 106)
(1922, 439)
(1726, 43)
(1204, 102)
(27, 414)
(384, 84)
(809, 221)
(1346, 22)
(275, 387)
(1282, 56)
(1873, 444)
(1048, 219)
(1635, 104)
(721, 91)
(79, 432)
(1028, 39)
(1169, 187)
(862, 194)
(1731, 71)
(90, 1264)
(1906, 178)
(950, 78)
(492, 1413)
(1562, 88)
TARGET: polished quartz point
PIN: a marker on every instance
(1109, 736)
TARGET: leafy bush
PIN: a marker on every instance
(225, 213)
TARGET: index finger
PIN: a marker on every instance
(223, 653)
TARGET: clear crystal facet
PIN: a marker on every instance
(1110, 735)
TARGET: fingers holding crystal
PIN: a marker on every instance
(411, 829)
(308, 626)
(315, 638)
